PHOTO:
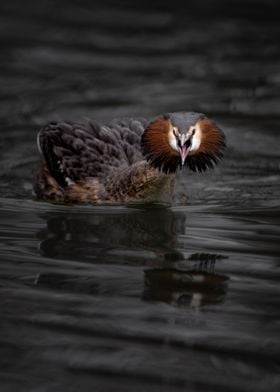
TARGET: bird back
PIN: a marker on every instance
(74, 151)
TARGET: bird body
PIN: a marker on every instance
(125, 160)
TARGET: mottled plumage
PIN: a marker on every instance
(125, 160)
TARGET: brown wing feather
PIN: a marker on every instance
(75, 151)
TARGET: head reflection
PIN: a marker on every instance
(196, 286)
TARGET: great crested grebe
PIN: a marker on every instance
(125, 160)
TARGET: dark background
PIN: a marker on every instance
(72, 59)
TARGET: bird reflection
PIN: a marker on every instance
(195, 287)
(135, 237)
(145, 236)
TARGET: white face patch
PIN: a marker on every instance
(172, 139)
(196, 139)
(193, 134)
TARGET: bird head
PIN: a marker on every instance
(185, 138)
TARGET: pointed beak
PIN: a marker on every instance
(184, 151)
(184, 147)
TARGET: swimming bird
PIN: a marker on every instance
(124, 160)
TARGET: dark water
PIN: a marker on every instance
(143, 299)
